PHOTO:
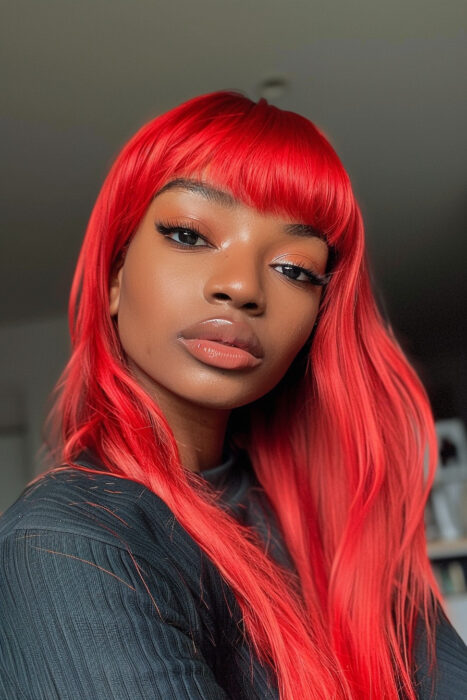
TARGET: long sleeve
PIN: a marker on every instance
(104, 595)
(84, 619)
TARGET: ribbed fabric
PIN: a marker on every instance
(104, 595)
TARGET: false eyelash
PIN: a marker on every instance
(166, 229)
(314, 278)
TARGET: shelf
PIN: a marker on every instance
(447, 549)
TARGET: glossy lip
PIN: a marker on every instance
(226, 331)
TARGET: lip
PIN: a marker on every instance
(226, 331)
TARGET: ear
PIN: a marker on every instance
(114, 292)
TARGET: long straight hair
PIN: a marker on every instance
(344, 446)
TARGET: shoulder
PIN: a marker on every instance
(115, 511)
(101, 562)
(113, 623)
(73, 525)
(448, 678)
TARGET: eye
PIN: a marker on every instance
(294, 272)
(187, 235)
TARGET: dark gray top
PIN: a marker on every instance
(104, 595)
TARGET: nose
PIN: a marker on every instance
(236, 282)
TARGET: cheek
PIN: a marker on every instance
(295, 343)
(140, 317)
(291, 332)
(299, 323)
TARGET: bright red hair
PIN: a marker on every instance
(339, 445)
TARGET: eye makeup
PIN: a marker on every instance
(192, 232)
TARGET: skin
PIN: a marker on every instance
(163, 287)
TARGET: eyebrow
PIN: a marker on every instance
(217, 196)
(207, 191)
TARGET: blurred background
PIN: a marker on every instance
(385, 81)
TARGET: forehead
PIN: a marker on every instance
(214, 194)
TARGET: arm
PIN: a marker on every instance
(78, 622)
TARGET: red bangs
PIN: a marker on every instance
(274, 160)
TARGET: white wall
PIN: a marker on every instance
(32, 356)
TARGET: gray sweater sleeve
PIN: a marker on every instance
(84, 619)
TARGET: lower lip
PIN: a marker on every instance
(219, 355)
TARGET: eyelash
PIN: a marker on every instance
(313, 277)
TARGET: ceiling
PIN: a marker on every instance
(384, 80)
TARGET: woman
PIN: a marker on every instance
(235, 508)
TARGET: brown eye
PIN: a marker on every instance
(309, 276)
(187, 236)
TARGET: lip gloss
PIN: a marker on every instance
(219, 355)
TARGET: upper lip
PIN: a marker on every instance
(227, 331)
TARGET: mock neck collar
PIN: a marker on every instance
(233, 476)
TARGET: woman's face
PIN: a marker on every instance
(197, 256)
